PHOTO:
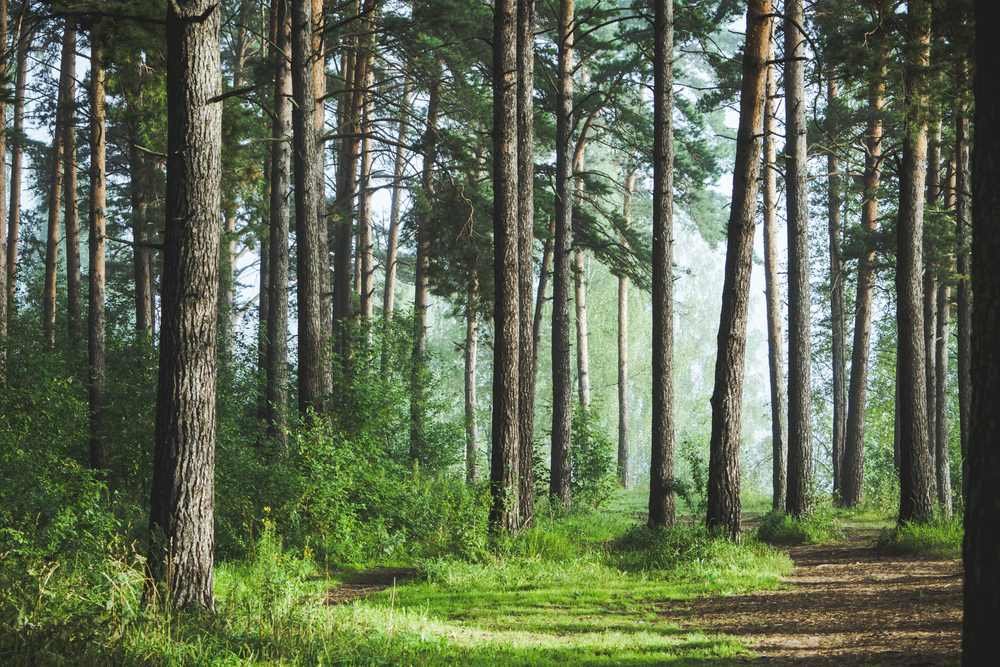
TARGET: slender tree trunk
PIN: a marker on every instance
(318, 70)
(724, 461)
(526, 241)
(562, 409)
(421, 295)
(98, 221)
(772, 282)
(24, 35)
(181, 516)
(582, 326)
(396, 206)
(313, 339)
(471, 356)
(366, 258)
(942, 457)
(71, 215)
(623, 393)
(140, 251)
(506, 369)
(963, 264)
(543, 281)
(930, 289)
(276, 383)
(982, 514)
(5, 64)
(661, 466)
(916, 476)
(798, 494)
(852, 466)
(837, 334)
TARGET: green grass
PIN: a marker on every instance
(941, 538)
(820, 526)
(582, 589)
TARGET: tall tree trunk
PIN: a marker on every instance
(582, 326)
(852, 466)
(982, 514)
(724, 456)
(98, 223)
(421, 295)
(506, 267)
(942, 458)
(315, 381)
(366, 258)
(526, 241)
(71, 215)
(963, 263)
(543, 281)
(318, 70)
(276, 383)
(834, 198)
(24, 35)
(797, 498)
(915, 477)
(471, 356)
(562, 409)
(772, 282)
(396, 205)
(143, 297)
(930, 288)
(661, 466)
(623, 393)
(55, 195)
(5, 64)
(181, 516)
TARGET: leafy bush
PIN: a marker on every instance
(781, 528)
(941, 538)
(593, 460)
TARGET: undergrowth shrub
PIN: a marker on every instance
(816, 527)
(593, 459)
(940, 538)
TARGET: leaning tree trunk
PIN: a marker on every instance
(471, 357)
(963, 263)
(276, 361)
(797, 498)
(181, 515)
(562, 408)
(982, 514)
(623, 393)
(71, 216)
(525, 242)
(852, 466)
(915, 476)
(661, 466)
(98, 224)
(724, 456)
(315, 381)
(836, 297)
(23, 35)
(775, 339)
(506, 267)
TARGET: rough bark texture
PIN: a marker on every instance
(623, 369)
(396, 207)
(5, 64)
(311, 251)
(772, 283)
(98, 224)
(506, 267)
(71, 214)
(421, 288)
(181, 516)
(24, 36)
(471, 356)
(982, 513)
(963, 264)
(915, 477)
(852, 466)
(366, 259)
(797, 498)
(661, 466)
(724, 458)
(834, 228)
(525, 242)
(562, 409)
(276, 366)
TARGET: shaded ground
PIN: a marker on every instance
(846, 605)
(361, 584)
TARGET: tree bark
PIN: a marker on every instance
(582, 326)
(837, 334)
(661, 466)
(916, 477)
(143, 294)
(315, 381)
(24, 35)
(98, 223)
(181, 516)
(506, 267)
(963, 263)
(942, 458)
(5, 64)
(471, 356)
(982, 514)
(562, 409)
(724, 462)
(526, 241)
(852, 466)
(276, 369)
(71, 214)
(772, 282)
(543, 281)
(623, 393)
(930, 289)
(396, 206)
(366, 258)
(799, 490)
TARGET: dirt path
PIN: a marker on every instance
(362, 584)
(846, 606)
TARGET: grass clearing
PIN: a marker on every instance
(941, 538)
